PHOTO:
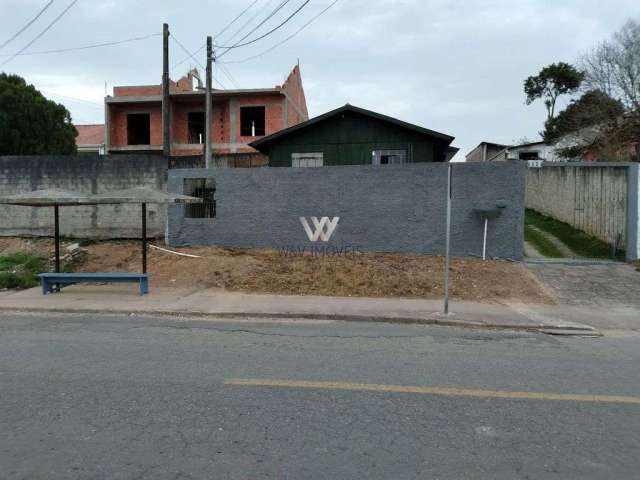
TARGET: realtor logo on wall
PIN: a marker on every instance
(324, 228)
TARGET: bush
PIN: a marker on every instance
(20, 270)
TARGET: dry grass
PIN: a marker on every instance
(267, 271)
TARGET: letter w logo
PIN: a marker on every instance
(324, 228)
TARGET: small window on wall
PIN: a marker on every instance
(252, 121)
(195, 123)
(204, 188)
(534, 155)
(387, 157)
(307, 160)
(138, 129)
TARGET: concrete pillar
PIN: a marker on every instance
(633, 212)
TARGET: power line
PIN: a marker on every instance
(202, 47)
(29, 23)
(55, 20)
(85, 47)
(188, 57)
(227, 74)
(268, 33)
(89, 102)
(236, 19)
(285, 40)
(273, 12)
(185, 50)
(235, 34)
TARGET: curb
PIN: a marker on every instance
(558, 329)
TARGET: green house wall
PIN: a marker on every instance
(349, 139)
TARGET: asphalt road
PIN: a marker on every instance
(116, 397)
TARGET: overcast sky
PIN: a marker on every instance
(451, 66)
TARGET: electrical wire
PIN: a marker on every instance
(202, 47)
(227, 74)
(37, 37)
(273, 12)
(28, 24)
(82, 100)
(235, 19)
(86, 47)
(185, 50)
(244, 25)
(283, 41)
(266, 34)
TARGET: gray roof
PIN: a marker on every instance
(143, 195)
(51, 197)
(46, 198)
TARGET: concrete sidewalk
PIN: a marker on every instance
(220, 303)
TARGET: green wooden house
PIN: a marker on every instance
(354, 136)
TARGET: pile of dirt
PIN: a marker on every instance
(269, 271)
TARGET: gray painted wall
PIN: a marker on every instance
(391, 208)
(83, 174)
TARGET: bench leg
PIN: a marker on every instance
(45, 286)
(144, 286)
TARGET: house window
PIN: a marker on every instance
(195, 125)
(307, 160)
(138, 129)
(204, 188)
(387, 157)
(534, 155)
(252, 121)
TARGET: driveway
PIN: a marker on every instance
(590, 282)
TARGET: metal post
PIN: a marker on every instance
(208, 105)
(484, 242)
(56, 235)
(448, 239)
(166, 108)
(144, 238)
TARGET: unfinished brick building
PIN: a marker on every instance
(133, 117)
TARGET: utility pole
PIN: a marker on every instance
(208, 106)
(447, 254)
(166, 110)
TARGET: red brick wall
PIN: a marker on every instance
(274, 120)
(293, 88)
(221, 127)
(137, 91)
(118, 122)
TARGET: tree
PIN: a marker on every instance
(614, 66)
(593, 108)
(552, 81)
(30, 124)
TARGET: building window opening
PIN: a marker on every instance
(252, 121)
(205, 189)
(388, 157)
(534, 155)
(196, 126)
(307, 160)
(138, 129)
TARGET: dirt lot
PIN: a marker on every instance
(268, 271)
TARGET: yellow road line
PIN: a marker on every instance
(454, 392)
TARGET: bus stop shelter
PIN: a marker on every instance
(55, 199)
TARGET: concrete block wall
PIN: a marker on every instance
(392, 208)
(593, 197)
(633, 213)
(87, 174)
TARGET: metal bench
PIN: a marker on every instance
(52, 282)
